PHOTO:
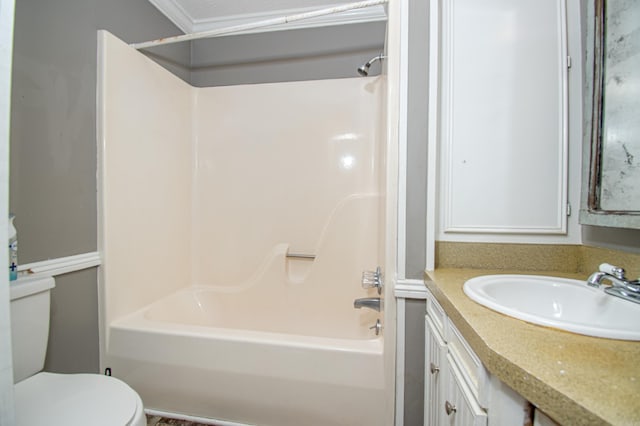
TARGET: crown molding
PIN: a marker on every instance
(174, 12)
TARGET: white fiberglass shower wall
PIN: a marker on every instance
(235, 225)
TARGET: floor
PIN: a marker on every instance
(164, 421)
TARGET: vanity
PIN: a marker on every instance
(483, 368)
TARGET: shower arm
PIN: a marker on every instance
(363, 70)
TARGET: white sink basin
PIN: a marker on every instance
(562, 303)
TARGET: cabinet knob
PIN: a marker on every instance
(434, 368)
(449, 408)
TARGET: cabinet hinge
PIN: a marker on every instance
(568, 209)
(568, 61)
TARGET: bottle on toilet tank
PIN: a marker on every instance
(13, 249)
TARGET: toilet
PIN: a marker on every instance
(59, 399)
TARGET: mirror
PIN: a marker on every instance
(611, 159)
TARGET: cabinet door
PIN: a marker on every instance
(541, 419)
(460, 407)
(503, 117)
(435, 353)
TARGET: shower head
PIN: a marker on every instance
(363, 70)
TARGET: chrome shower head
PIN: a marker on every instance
(363, 70)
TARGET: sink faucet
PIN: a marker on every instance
(620, 286)
(368, 302)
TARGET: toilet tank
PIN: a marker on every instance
(30, 305)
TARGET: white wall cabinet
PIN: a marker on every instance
(458, 389)
(502, 117)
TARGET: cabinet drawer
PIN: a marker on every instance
(473, 372)
(437, 315)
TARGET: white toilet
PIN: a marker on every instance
(59, 399)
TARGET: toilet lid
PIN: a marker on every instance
(74, 399)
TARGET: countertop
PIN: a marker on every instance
(575, 379)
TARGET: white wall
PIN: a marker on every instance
(6, 366)
(286, 163)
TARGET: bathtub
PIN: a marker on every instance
(209, 352)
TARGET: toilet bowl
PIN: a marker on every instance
(76, 399)
(59, 399)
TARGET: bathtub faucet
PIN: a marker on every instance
(368, 302)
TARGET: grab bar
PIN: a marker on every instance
(301, 256)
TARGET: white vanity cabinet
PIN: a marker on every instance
(541, 419)
(435, 366)
(458, 389)
(460, 406)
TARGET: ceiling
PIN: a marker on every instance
(203, 15)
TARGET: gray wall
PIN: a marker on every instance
(310, 54)
(417, 125)
(414, 363)
(613, 238)
(415, 249)
(53, 148)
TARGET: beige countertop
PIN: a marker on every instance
(575, 379)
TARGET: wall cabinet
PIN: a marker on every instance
(458, 389)
(502, 117)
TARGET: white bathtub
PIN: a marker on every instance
(209, 352)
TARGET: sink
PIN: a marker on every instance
(561, 303)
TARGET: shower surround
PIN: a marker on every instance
(206, 197)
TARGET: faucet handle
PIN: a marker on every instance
(612, 270)
(372, 275)
(377, 327)
(373, 279)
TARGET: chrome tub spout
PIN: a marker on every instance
(368, 302)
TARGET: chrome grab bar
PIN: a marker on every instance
(300, 256)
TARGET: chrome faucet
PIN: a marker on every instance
(368, 302)
(619, 285)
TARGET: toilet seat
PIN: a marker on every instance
(76, 399)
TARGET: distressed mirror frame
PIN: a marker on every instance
(594, 49)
